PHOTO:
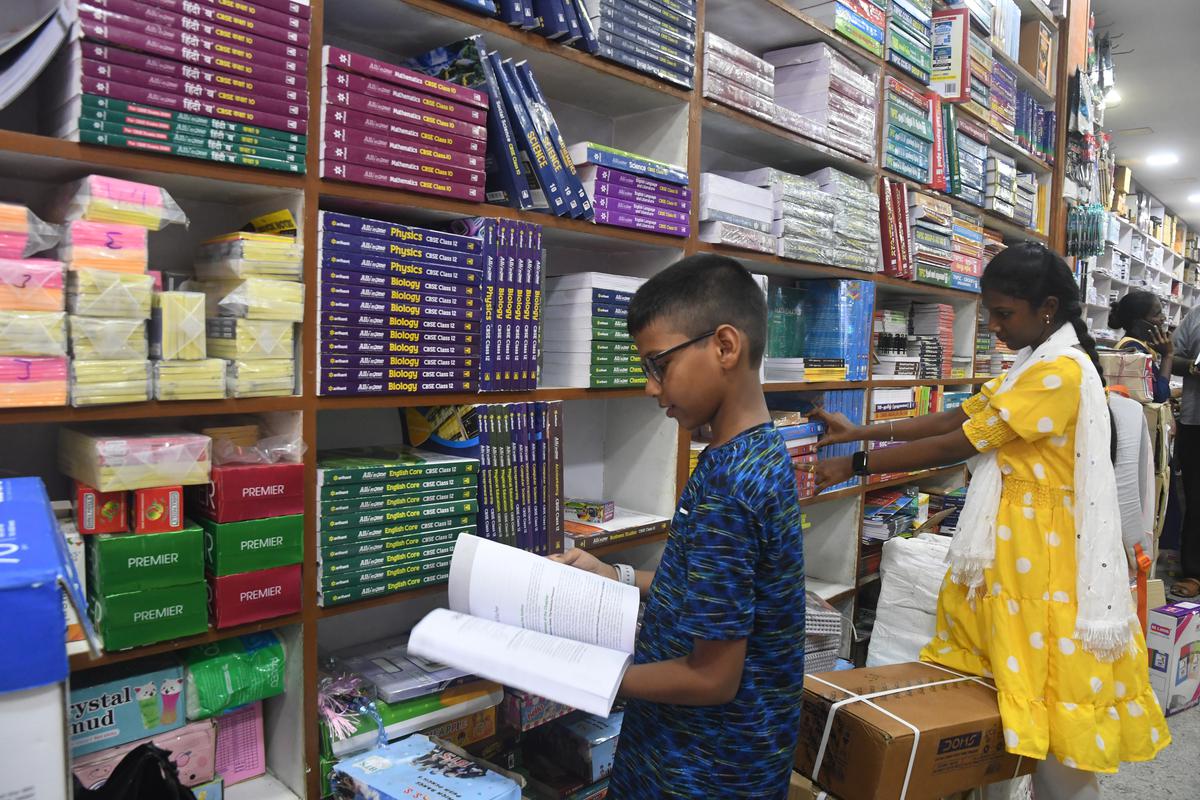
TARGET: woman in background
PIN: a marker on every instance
(1140, 315)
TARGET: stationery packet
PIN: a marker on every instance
(99, 198)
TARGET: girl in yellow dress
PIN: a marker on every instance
(1037, 595)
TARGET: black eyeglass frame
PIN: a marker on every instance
(652, 366)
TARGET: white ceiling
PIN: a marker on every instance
(1159, 84)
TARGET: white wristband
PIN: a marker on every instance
(625, 574)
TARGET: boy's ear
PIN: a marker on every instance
(730, 345)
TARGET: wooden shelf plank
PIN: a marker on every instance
(152, 409)
(1025, 78)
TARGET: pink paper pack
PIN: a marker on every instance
(241, 754)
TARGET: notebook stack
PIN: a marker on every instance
(802, 228)
(856, 242)
(838, 315)
(1001, 191)
(1002, 100)
(586, 342)
(971, 142)
(888, 513)
(1025, 197)
(654, 181)
(738, 78)
(860, 21)
(822, 635)
(816, 83)
(909, 37)
(967, 252)
(786, 329)
(851, 403)
(934, 323)
(908, 132)
(388, 518)
(655, 37)
(932, 238)
(386, 125)
(892, 360)
(987, 360)
(399, 308)
(189, 79)
(736, 211)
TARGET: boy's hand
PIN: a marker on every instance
(833, 471)
(838, 428)
(582, 559)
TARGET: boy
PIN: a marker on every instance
(714, 692)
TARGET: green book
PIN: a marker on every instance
(390, 463)
(333, 508)
(353, 491)
(92, 103)
(343, 536)
(186, 150)
(369, 590)
(392, 558)
(393, 572)
(115, 122)
(610, 347)
(246, 145)
(365, 519)
(618, 381)
(377, 546)
(617, 359)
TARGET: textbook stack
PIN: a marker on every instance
(737, 211)
(188, 79)
(653, 181)
(838, 316)
(892, 360)
(804, 215)
(738, 78)
(1035, 127)
(783, 359)
(980, 69)
(861, 21)
(931, 234)
(968, 170)
(388, 518)
(1001, 192)
(935, 322)
(387, 125)
(908, 132)
(968, 252)
(909, 37)
(655, 37)
(822, 635)
(801, 438)
(1025, 198)
(888, 513)
(586, 341)
(399, 306)
(1002, 100)
(855, 219)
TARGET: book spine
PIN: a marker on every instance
(643, 47)
(487, 357)
(521, 473)
(395, 362)
(504, 162)
(510, 12)
(107, 109)
(400, 76)
(239, 16)
(395, 146)
(428, 120)
(359, 120)
(356, 173)
(587, 42)
(188, 151)
(551, 19)
(554, 479)
(211, 140)
(537, 516)
(508, 475)
(518, 297)
(632, 16)
(664, 13)
(435, 104)
(607, 217)
(652, 211)
(574, 185)
(402, 164)
(616, 175)
(574, 29)
(650, 39)
(347, 283)
(448, 307)
(529, 366)
(507, 305)
(440, 243)
(640, 64)
(532, 141)
(339, 388)
(631, 194)
(401, 247)
(537, 307)
(398, 271)
(887, 229)
(529, 21)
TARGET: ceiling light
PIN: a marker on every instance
(1113, 98)
(1194, 198)
(1162, 160)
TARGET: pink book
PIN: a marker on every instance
(241, 754)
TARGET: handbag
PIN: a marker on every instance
(145, 773)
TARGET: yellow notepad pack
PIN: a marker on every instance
(104, 245)
(107, 338)
(250, 255)
(118, 458)
(102, 293)
(95, 383)
(177, 326)
(202, 379)
(268, 377)
(33, 333)
(99, 198)
(253, 298)
(247, 339)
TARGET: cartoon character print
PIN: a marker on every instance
(171, 689)
(148, 704)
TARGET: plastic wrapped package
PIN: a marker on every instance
(798, 227)
(104, 245)
(726, 91)
(248, 339)
(101, 293)
(911, 575)
(96, 383)
(107, 339)
(814, 217)
(31, 284)
(199, 379)
(729, 51)
(33, 333)
(855, 227)
(271, 438)
(99, 198)
(26, 382)
(804, 250)
(22, 234)
(855, 259)
(250, 255)
(253, 298)
(720, 66)
(177, 326)
(266, 377)
(114, 458)
(737, 236)
(234, 672)
(798, 123)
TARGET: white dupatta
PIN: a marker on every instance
(1104, 613)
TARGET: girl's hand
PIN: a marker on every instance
(833, 471)
(582, 559)
(1160, 341)
(838, 428)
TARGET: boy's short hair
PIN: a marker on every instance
(700, 293)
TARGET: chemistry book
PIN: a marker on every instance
(532, 624)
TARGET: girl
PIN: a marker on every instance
(1140, 315)
(1037, 595)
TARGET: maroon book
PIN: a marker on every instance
(405, 97)
(374, 68)
(362, 121)
(403, 164)
(104, 71)
(401, 146)
(345, 98)
(356, 173)
(236, 15)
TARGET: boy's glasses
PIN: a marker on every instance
(653, 365)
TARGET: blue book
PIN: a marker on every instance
(633, 34)
(417, 767)
(587, 42)
(650, 51)
(685, 21)
(552, 18)
(540, 109)
(531, 19)
(576, 29)
(512, 12)
(528, 135)
(633, 17)
(482, 6)
(605, 156)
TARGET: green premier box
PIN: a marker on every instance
(129, 562)
(134, 619)
(391, 558)
(369, 590)
(376, 546)
(366, 519)
(408, 528)
(333, 508)
(234, 547)
(353, 491)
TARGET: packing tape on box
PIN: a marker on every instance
(31, 284)
(103, 338)
(33, 333)
(22, 234)
(101, 293)
(867, 700)
(104, 245)
(99, 198)
(177, 326)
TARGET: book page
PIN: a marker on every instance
(573, 673)
(503, 584)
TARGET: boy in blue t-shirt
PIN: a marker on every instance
(714, 692)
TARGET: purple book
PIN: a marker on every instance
(334, 116)
(343, 306)
(430, 120)
(457, 299)
(399, 323)
(395, 145)
(192, 42)
(397, 374)
(434, 104)
(392, 286)
(606, 217)
(362, 262)
(465, 343)
(278, 12)
(237, 15)
(592, 172)
(402, 251)
(346, 341)
(169, 68)
(175, 102)
(334, 388)
(356, 173)
(178, 28)
(222, 62)
(600, 189)
(400, 163)
(329, 361)
(394, 231)
(374, 68)
(650, 210)
(193, 91)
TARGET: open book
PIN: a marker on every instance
(532, 624)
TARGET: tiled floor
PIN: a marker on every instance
(1174, 775)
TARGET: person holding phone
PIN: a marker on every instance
(1140, 315)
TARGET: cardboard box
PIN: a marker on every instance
(158, 509)
(150, 615)
(250, 491)
(1123, 180)
(1174, 644)
(585, 746)
(801, 788)
(233, 547)
(869, 753)
(190, 748)
(100, 512)
(1036, 51)
(252, 596)
(524, 711)
(468, 730)
(126, 562)
(115, 705)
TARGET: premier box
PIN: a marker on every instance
(241, 492)
(233, 547)
(125, 562)
(151, 615)
(253, 596)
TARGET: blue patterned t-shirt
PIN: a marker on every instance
(733, 568)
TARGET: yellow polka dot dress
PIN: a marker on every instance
(1054, 697)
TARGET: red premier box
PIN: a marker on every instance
(239, 492)
(158, 509)
(100, 512)
(253, 596)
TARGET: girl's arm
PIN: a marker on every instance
(935, 451)
(710, 675)
(840, 429)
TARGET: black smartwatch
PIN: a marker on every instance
(858, 462)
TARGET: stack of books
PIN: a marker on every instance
(855, 219)
(968, 252)
(861, 21)
(888, 513)
(816, 83)
(987, 361)
(400, 309)
(1002, 100)
(654, 180)
(909, 37)
(980, 69)
(798, 215)
(894, 229)
(850, 402)
(738, 78)
(1035, 127)
(935, 321)
(736, 217)
(388, 518)
(655, 37)
(892, 360)
(953, 502)
(838, 317)
(1025, 198)
(932, 239)
(586, 340)
(189, 79)
(971, 146)
(786, 328)
(908, 132)
(802, 440)
(1006, 27)
(1001, 188)
(822, 635)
